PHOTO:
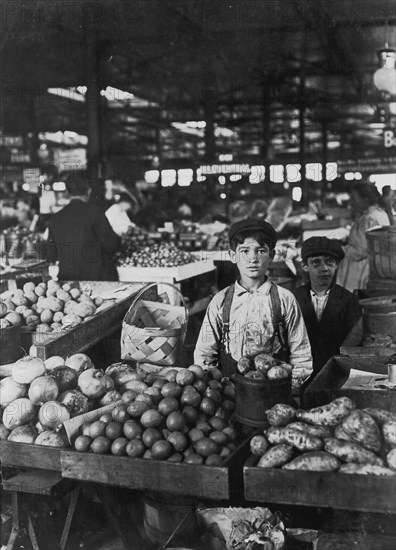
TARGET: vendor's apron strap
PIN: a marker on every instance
(225, 337)
(277, 318)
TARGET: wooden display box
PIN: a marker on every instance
(352, 347)
(363, 493)
(209, 482)
(165, 274)
(30, 456)
(330, 381)
(83, 336)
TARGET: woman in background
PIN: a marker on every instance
(353, 271)
(117, 214)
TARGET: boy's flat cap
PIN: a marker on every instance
(250, 224)
(322, 246)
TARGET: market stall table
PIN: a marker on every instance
(176, 275)
(93, 330)
(23, 271)
(363, 378)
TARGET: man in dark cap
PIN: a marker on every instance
(330, 311)
(253, 315)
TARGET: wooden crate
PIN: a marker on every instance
(105, 321)
(352, 347)
(165, 274)
(330, 381)
(322, 489)
(24, 455)
(209, 482)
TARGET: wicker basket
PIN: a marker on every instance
(154, 331)
(382, 252)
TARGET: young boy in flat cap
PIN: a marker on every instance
(253, 315)
(329, 310)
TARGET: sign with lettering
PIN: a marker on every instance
(215, 169)
(389, 138)
(11, 141)
(378, 164)
(70, 159)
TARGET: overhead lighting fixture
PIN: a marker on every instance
(385, 76)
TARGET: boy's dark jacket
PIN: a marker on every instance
(339, 316)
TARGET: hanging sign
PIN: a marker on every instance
(11, 141)
(214, 169)
(379, 164)
(389, 138)
(70, 159)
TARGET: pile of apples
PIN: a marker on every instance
(157, 255)
(182, 416)
(46, 307)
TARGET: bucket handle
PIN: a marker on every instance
(147, 287)
(175, 530)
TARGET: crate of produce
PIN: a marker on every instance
(26, 455)
(196, 480)
(172, 432)
(360, 343)
(333, 456)
(165, 274)
(362, 378)
(62, 322)
(320, 489)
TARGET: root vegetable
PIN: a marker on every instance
(314, 462)
(381, 415)
(276, 456)
(361, 428)
(297, 438)
(327, 415)
(348, 451)
(391, 459)
(389, 431)
(366, 469)
(280, 414)
(317, 431)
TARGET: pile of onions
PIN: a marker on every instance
(52, 414)
(23, 434)
(19, 412)
(26, 369)
(79, 362)
(43, 389)
(10, 390)
(91, 383)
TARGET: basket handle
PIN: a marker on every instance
(147, 287)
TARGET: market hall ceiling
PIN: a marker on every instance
(250, 61)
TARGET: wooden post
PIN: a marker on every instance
(302, 141)
(324, 157)
(266, 122)
(210, 145)
(92, 97)
(35, 143)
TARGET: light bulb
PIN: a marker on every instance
(385, 76)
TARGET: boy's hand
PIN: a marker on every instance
(299, 375)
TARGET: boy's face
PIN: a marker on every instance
(321, 270)
(252, 259)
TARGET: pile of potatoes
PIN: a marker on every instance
(263, 367)
(46, 307)
(335, 437)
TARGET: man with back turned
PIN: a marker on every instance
(81, 238)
